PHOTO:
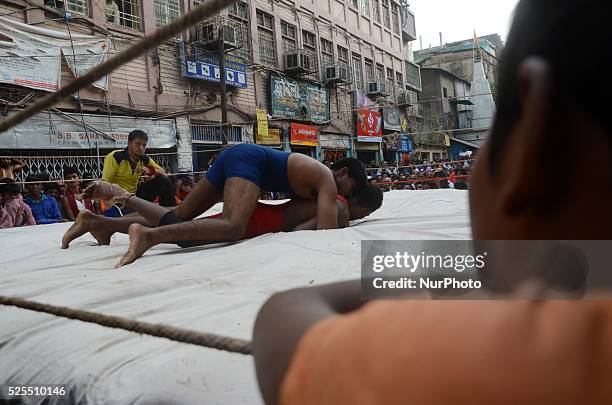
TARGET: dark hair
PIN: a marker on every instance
(356, 170)
(51, 186)
(8, 186)
(137, 133)
(370, 197)
(547, 29)
(69, 170)
(461, 185)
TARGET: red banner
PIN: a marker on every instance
(304, 135)
(369, 125)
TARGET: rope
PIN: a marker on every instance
(177, 26)
(212, 341)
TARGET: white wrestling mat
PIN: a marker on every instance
(210, 289)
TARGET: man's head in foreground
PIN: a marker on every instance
(550, 107)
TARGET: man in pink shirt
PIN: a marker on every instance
(13, 211)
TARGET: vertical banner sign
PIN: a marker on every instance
(262, 122)
(369, 122)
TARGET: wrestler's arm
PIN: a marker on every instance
(327, 214)
(294, 312)
(343, 219)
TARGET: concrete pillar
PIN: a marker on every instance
(184, 151)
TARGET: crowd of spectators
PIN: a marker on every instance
(439, 174)
(45, 201)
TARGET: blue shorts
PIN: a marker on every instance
(265, 167)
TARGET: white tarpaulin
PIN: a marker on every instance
(214, 289)
(31, 56)
(58, 131)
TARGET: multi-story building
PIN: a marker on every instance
(445, 105)
(308, 64)
(458, 57)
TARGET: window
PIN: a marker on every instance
(327, 57)
(376, 9)
(166, 11)
(239, 9)
(123, 12)
(365, 7)
(76, 6)
(289, 40)
(380, 73)
(445, 92)
(395, 12)
(369, 71)
(413, 76)
(265, 37)
(390, 75)
(386, 14)
(308, 39)
(399, 79)
(352, 3)
(239, 19)
(357, 78)
(342, 54)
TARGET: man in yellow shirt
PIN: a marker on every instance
(128, 166)
(325, 346)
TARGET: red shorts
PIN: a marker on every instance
(266, 218)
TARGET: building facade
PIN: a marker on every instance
(446, 107)
(305, 63)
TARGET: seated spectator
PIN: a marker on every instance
(72, 194)
(44, 209)
(9, 166)
(183, 186)
(13, 211)
(444, 184)
(56, 191)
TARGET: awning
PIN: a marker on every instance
(66, 131)
(470, 144)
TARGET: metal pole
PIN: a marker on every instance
(224, 127)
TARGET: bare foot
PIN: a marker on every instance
(140, 241)
(86, 221)
(103, 238)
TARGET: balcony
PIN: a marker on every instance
(212, 134)
(413, 76)
(408, 26)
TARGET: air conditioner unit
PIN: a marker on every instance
(298, 62)
(336, 74)
(377, 89)
(403, 98)
(209, 33)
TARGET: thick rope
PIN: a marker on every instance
(166, 32)
(229, 344)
